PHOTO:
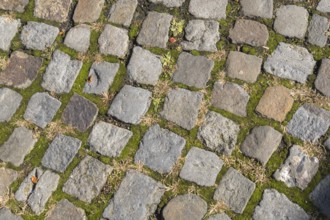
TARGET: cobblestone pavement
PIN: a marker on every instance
(164, 109)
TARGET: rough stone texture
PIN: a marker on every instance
(7, 177)
(21, 70)
(101, 76)
(317, 30)
(211, 9)
(275, 206)
(322, 81)
(13, 5)
(144, 67)
(66, 210)
(78, 38)
(275, 103)
(169, 3)
(8, 29)
(201, 35)
(41, 109)
(234, 190)
(221, 216)
(61, 152)
(321, 196)
(9, 102)
(159, 149)
(193, 70)
(108, 140)
(249, 32)
(298, 169)
(155, 30)
(87, 179)
(55, 10)
(122, 12)
(181, 107)
(27, 186)
(261, 143)
(130, 104)
(43, 190)
(290, 62)
(6, 214)
(19, 144)
(38, 36)
(327, 143)
(201, 167)
(323, 6)
(257, 8)
(230, 97)
(61, 73)
(291, 21)
(243, 66)
(80, 113)
(114, 41)
(218, 133)
(309, 123)
(188, 206)
(88, 11)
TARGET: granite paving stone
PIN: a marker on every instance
(320, 196)
(219, 133)
(13, 5)
(323, 6)
(27, 186)
(108, 140)
(9, 102)
(201, 167)
(80, 113)
(317, 30)
(66, 210)
(212, 9)
(193, 70)
(55, 10)
(221, 216)
(7, 177)
(257, 8)
(88, 11)
(159, 149)
(78, 38)
(122, 12)
(322, 81)
(327, 143)
(18, 145)
(6, 214)
(87, 179)
(169, 3)
(8, 29)
(182, 106)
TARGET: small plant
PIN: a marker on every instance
(156, 103)
(177, 27)
(168, 63)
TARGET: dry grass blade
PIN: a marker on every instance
(149, 120)
(217, 56)
(218, 207)
(57, 127)
(305, 94)
(177, 168)
(162, 88)
(106, 97)
(315, 150)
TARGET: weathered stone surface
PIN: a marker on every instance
(322, 82)
(80, 113)
(221, 216)
(211, 9)
(159, 149)
(61, 152)
(13, 5)
(122, 12)
(21, 70)
(193, 70)
(169, 3)
(140, 203)
(249, 32)
(130, 104)
(323, 6)
(309, 123)
(8, 29)
(108, 140)
(7, 177)
(327, 143)
(275, 205)
(114, 41)
(218, 133)
(298, 169)
(55, 10)
(66, 210)
(101, 76)
(317, 30)
(155, 30)
(234, 190)
(201, 35)
(290, 62)
(144, 67)
(257, 8)
(291, 21)
(27, 186)
(275, 103)
(188, 206)
(201, 167)
(9, 102)
(261, 143)
(61, 73)
(38, 36)
(88, 11)
(6, 214)
(243, 66)
(41, 109)
(230, 97)
(321, 196)
(19, 144)
(78, 38)
(181, 107)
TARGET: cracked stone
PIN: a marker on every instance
(78, 38)
(7, 177)
(9, 102)
(8, 30)
(211, 9)
(122, 12)
(322, 81)
(27, 186)
(88, 11)
(317, 30)
(323, 6)
(320, 196)
(257, 8)
(55, 10)
(13, 5)
(66, 210)
(6, 214)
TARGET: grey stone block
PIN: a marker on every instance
(322, 81)
(27, 186)
(78, 38)
(317, 30)
(8, 30)
(221, 216)
(6, 214)
(257, 8)
(17, 5)
(122, 12)
(320, 196)
(9, 102)
(169, 3)
(7, 177)
(55, 10)
(88, 11)
(327, 143)
(323, 6)
(66, 210)
(211, 9)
